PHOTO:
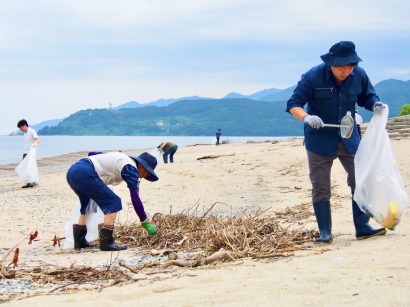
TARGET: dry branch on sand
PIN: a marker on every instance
(207, 237)
(214, 156)
(242, 234)
(295, 214)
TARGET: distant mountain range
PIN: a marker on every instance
(271, 94)
(261, 113)
(236, 116)
(156, 103)
(47, 123)
(39, 126)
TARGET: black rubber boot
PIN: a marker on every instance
(324, 221)
(361, 223)
(107, 240)
(79, 233)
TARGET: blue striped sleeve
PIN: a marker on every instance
(130, 175)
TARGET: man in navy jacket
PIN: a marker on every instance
(330, 90)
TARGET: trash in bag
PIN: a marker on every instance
(380, 191)
(93, 217)
(346, 125)
(27, 169)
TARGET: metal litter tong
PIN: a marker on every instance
(346, 125)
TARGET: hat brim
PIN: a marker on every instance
(332, 60)
(153, 176)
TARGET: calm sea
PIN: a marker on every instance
(11, 147)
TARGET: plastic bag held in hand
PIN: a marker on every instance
(378, 107)
(380, 191)
(27, 169)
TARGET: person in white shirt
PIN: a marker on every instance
(31, 139)
(359, 121)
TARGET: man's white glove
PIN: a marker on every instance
(313, 121)
(378, 107)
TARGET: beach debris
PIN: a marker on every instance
(243, 234)
(214, 156)
(15, 260)
(155, 252)
(123, 264)
(287, 250)
(110, 283)
(187, 239)
(33, 237)
(170, 253)
(57, 241)
(259, 142)
(321, 251)
(296, 213)
(182, 241)
(156, 217)
(221, 255)
(173, 256)
(7, 274)
(273, 255)
(175, 263)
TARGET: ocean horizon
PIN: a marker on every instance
(12, 147)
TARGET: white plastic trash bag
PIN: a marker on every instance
(380, 191)
(93, 217)
(27, 169)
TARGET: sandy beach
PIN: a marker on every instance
(268, 175)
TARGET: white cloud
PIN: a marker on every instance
(60, 56)
(397, 72)
(162, 22)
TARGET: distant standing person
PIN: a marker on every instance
(218, 136)
(31, 139)
(168, 149)
(359, 121)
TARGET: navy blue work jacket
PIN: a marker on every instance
(330, 101)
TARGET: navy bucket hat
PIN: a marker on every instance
(341, 53)
(149, 162)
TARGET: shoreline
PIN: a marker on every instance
(51, 146)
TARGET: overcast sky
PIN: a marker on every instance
(57, 56)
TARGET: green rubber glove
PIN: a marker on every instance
(150, 228)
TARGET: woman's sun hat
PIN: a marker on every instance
(149, 162)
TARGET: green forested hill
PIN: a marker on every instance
(189, 117)
(393, 92)
(197, 116)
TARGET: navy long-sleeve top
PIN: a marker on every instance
(330, 101)
(130, 175)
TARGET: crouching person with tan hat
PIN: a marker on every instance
(89, 179)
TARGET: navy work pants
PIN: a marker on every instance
(85, 182)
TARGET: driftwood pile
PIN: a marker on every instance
(206, 238)
(243, 234)
(52, 274)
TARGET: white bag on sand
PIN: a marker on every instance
(27, 169)
(380, 191)
(93, 217)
